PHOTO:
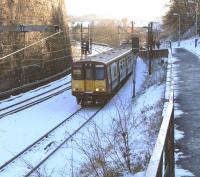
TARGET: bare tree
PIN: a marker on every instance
(40, 172)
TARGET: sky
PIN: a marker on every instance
(136, 10)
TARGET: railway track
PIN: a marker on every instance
(47, 140)
(26, 103)
(37, 141)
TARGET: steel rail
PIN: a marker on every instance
(33, 103)
(32, 97)
(38, 140)
(34, 83)
(67, 139)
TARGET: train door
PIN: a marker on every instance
(89, 77)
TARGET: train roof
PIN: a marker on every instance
(108, 56)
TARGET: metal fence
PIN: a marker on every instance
(162, 160)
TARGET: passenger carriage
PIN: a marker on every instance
(97, 78)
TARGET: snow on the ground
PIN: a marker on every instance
(43, 149)
(178, 134)
(140, 174)
(188, 44)
(70, 157)
(15, 99)
(180, 172)
(21, 129)
(140, 68)
(103, 120)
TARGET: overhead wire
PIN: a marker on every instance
(26, 47)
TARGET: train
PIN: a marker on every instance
(97, 78)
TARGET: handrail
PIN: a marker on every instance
(162, 162)
(164, 149)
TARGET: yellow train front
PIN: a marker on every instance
(96, 78)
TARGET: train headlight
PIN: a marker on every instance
(76, 89)
(97, 89)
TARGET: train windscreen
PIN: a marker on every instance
(99, 72)
(77, 73)
(89, 72)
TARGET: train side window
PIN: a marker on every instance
(77, 74)
(121, 65)
(115, 71)
(108, 74)
(100, 72)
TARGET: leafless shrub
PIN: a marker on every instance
(98, 156)
(110, 153)
(40, 172)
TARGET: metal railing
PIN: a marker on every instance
(162, 160)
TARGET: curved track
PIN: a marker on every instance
(47, 136)
(26, 104)
(37, 141)
(67, 139)
(35, 147)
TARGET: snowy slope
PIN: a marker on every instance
(72, 153)
(189, 44)
(21, 129)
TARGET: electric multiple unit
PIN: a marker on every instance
(97, 78)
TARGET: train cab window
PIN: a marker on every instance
(89, 73)
(99, 72)
(77, 74)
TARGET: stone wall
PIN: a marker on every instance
(43, 59)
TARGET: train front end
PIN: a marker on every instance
(89, 82)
